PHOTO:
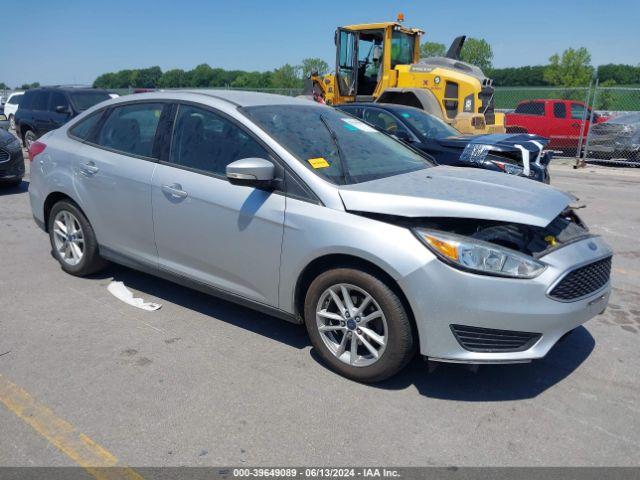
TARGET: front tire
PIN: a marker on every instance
(358, 325)
(29, 138)
(73, 240)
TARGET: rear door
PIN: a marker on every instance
(577, 113)
(114, 179)
(39, 112)
(222, 235)
(558, 119)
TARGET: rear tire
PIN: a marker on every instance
(382, 325)
(73, 241)
(12, 123)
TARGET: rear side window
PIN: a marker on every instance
(14, 100)
(83, 129)
(559, 110)
(85, 100)
(57, 99)
(131, 128)
(27, 100)
(383, 121)
(40, 101)
(208, 142)
(530, 108)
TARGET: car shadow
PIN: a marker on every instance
(496, 383)
(14, 190)
(231, 313)
(489, 383)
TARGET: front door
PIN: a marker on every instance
(222, 235)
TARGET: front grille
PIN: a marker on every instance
(583, 281)
(4, 155)
(476, 339)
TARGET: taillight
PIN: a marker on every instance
(36, 148)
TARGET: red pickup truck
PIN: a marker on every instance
(558, 120)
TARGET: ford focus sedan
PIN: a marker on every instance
(307, 214)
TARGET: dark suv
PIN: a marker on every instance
(47, 108)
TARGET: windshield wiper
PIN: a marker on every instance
(346, 177)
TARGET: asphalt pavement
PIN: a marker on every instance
(205, 382)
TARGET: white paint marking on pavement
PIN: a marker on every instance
(121, 292)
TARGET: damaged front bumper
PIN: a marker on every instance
(451, 305)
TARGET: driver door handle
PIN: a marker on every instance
(175, 190)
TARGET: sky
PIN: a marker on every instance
(58, 41)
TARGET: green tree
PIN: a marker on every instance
(314, 65)
(3, 86)
(571, 69)
(201, 76)
(175, 78)
(478, 52)
(432, 49)
(605, 99)
(252, 80)
(286, 77)
(146, 77)
(27, 86)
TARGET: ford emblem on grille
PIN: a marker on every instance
(593, 246)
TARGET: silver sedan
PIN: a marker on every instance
(308, 214)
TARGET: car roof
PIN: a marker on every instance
(67, 89)
(384, 106)
(244, 98)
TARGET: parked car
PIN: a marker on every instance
(11, 160)
(305, 213)
(618, 137)
(11, 107)
(427, 133)
(558, 120)
(44, 109)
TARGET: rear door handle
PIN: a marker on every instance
(89, 169)
(175, 190)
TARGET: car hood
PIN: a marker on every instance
(456, 192)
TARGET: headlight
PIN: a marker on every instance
(477, 256)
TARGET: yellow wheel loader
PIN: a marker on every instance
(381, 62)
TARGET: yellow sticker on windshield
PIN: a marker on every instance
(318, 162)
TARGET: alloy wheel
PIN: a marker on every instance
(68, 238)
(351, 324)
(29, 138)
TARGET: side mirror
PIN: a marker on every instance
(62, 109)
(251, 172)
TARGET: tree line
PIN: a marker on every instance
(569, 69)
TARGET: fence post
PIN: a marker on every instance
(579, 163)
(593, 108)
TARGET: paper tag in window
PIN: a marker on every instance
(318, 162)
(355, 123)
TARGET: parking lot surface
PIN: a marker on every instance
(205, 382)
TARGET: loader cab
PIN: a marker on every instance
(367, 53)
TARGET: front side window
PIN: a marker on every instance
(383, 121)
(84, 127)
(131, 128)
(337, 147)
(15, 99)
(208, 142)
(427, 125)
(57, 99)
(578, 113)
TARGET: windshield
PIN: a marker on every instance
(85, 100)
(335, 146)
(427, 125)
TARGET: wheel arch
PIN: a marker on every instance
(332, 261)
(51, 200)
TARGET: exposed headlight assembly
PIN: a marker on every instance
(479, 257)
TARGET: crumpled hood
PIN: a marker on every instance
(456, 192)
(500, 141)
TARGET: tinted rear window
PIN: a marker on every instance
(531, 108)
(85, 100)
